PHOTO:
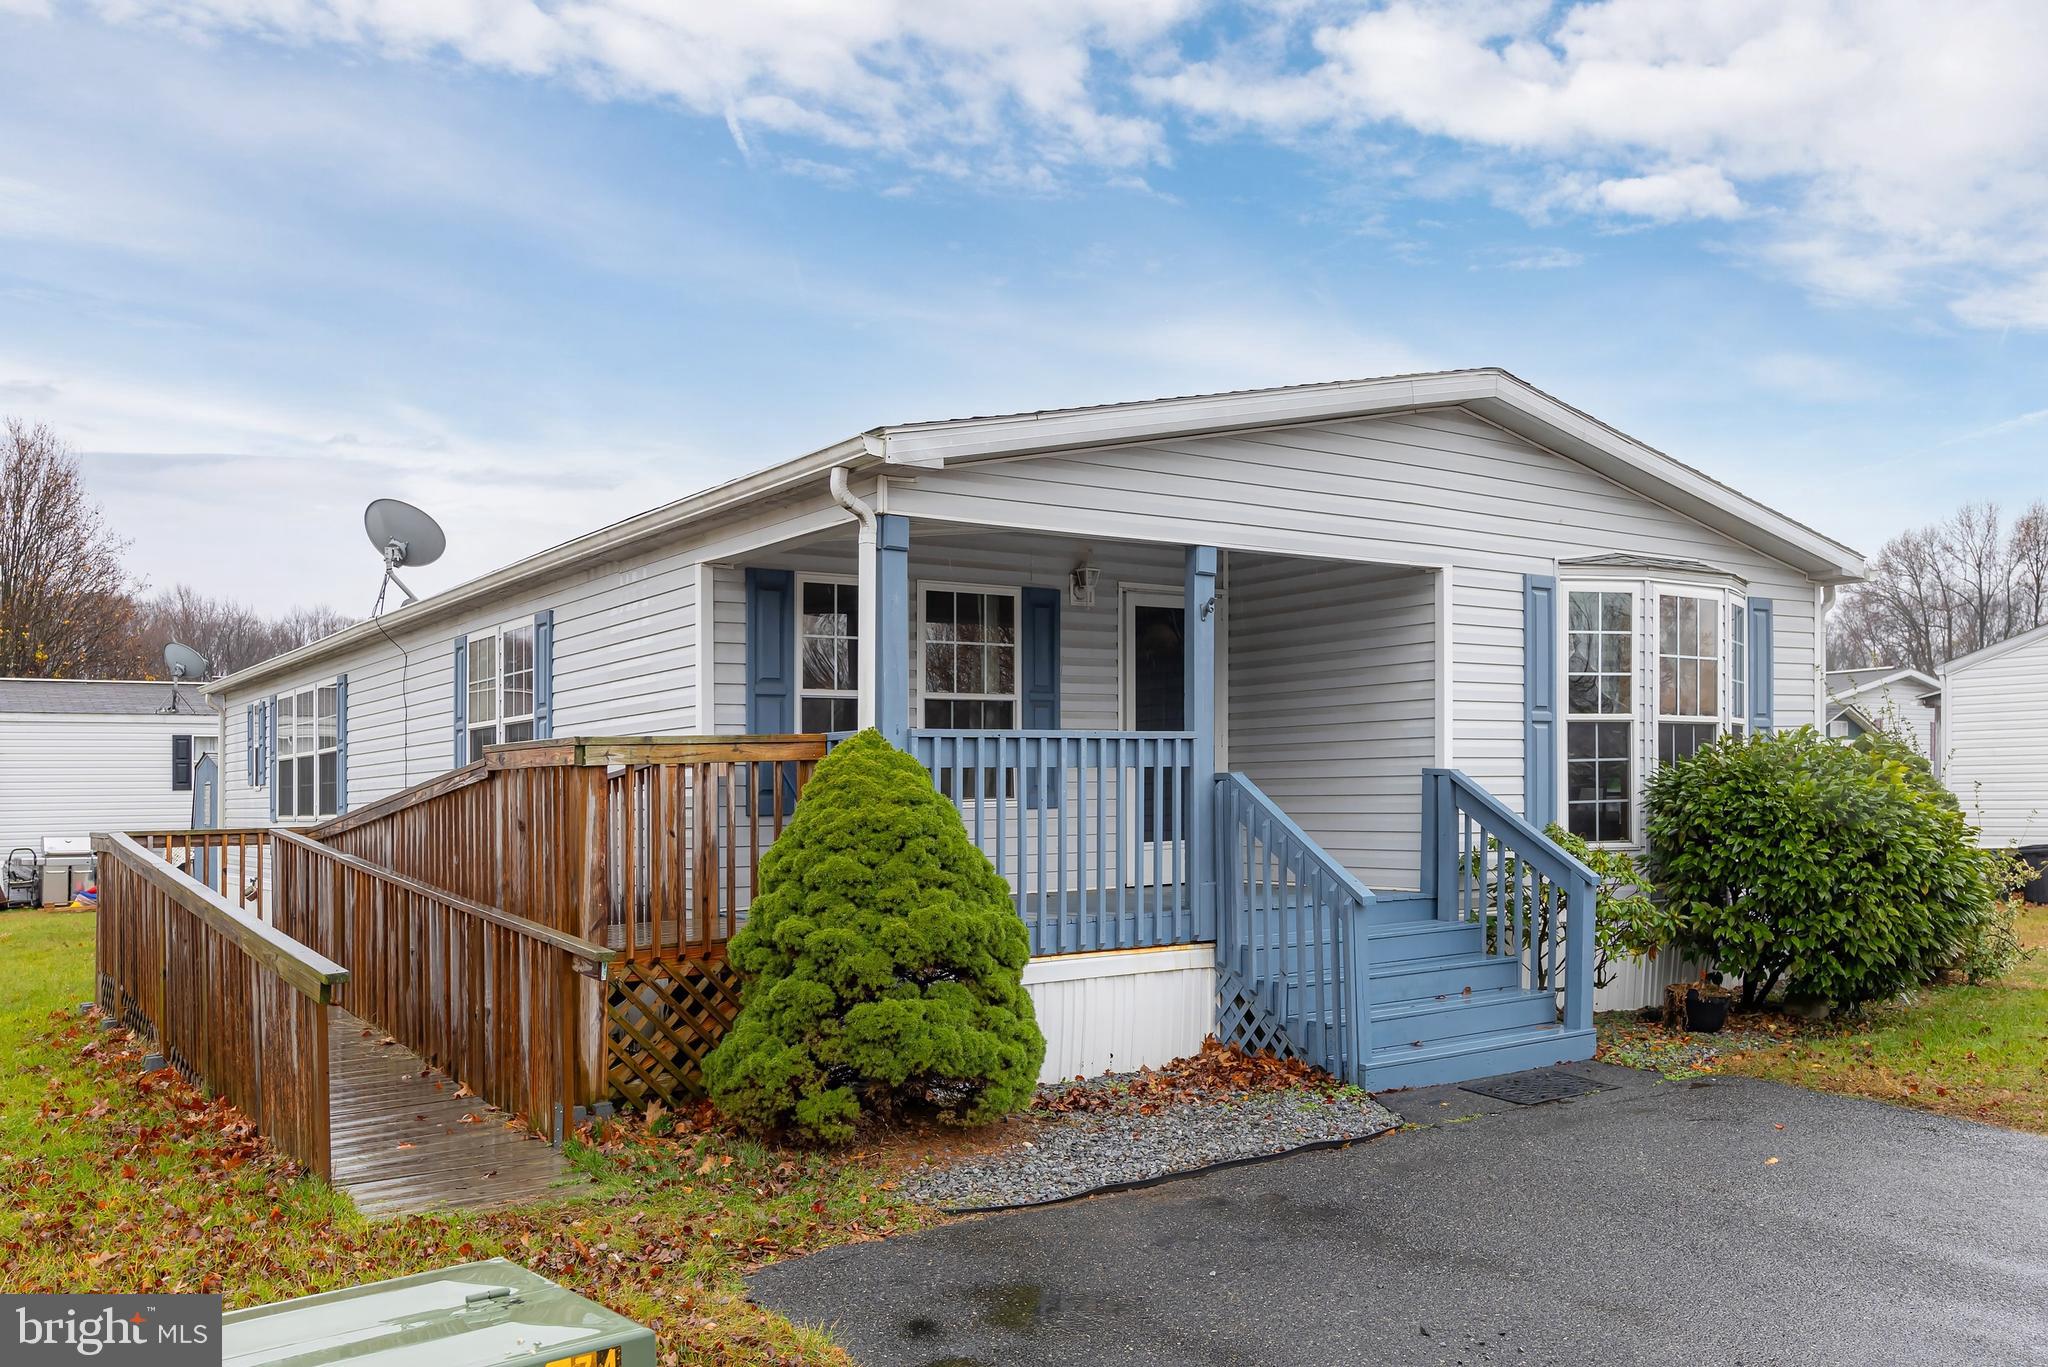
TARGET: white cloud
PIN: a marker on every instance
(1668, 196)
(1900, 147)
(1010, 93)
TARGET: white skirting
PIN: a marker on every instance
(1122, 1010)
(1641, 982)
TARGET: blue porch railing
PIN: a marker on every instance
(1483, 863)
(1090, 828)
(1291, 933)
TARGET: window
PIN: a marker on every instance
(308, 753)
(969, 656)
(1738, 666)
(1688, 673)
(828, 647)
(500, 687)
(1600, 714)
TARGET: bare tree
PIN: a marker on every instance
(65, 603)
(1941, 591)
(229, 634)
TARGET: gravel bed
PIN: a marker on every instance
(1675, 1053)
(1079, 1153)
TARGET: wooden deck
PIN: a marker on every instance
(407, 1137)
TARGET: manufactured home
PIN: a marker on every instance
(1995, 702)
(1901, 702)
(1259, 700)
(85, 755)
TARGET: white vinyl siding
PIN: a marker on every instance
(1332, 703)
(1995, 746)
(1421, 489)
(71, 774)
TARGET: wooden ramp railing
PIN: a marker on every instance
(495, 1000)
(647, 845)
(232, 1003)
(230, 861)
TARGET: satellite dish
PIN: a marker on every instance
(184, 663)
(403, 535)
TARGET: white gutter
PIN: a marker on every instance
(870, 647)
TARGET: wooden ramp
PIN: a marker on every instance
(406, 1139)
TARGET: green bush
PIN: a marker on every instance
(1841, 873)
(1633, 922)
(882, 962)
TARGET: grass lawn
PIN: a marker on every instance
(118, 1180)
(1976, 1052)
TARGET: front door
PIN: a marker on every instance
(1155, 692)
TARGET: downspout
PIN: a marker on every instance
(220, 758)
(1820, 681)
(864, 513)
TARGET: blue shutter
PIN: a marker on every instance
(1039, 683)
(340, 744)
(1762, 670)
(771, 673)
(181, 764)
(544, 674)
(1539, 699)
(270, 752)
(461, 701)
(251, 750)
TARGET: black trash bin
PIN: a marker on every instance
(2037, 860)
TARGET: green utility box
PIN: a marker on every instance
(489, 1314)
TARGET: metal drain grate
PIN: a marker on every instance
(1534, 1087)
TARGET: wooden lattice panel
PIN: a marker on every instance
(1244, 1020)
(661, 1019)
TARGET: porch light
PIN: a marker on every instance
(1082, 588)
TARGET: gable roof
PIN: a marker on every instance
(98, 697)
(1992, 652)
(1493, 394)
(1845, 684)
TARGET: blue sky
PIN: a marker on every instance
(539, 266)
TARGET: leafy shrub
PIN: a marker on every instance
(1633, 923)
(1630, 923)
(1844, 873)
(883, 961)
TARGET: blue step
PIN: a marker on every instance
(1481, 1013)
(1411, 979)
(1424, 940)
(1388, 908)
(1466, 1057)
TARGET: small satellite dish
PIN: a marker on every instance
(403, 535)
(184, 663)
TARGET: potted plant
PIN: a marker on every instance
(1700, 1006)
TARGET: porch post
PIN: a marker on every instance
(885, 646)
(1200, 645)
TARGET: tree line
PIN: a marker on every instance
(1944, 590)
(71, 609)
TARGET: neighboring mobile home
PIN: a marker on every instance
(1313, 601)
(1995, 703)
(1904, 702)
(85, 755)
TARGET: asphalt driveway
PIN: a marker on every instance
(1644, 1224)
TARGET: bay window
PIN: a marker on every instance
(1651, 673)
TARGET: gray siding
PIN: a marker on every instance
(72, 775)
(1423, 489)
(1332, 702)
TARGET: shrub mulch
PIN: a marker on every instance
(1122, 1130)
(1628, 1040)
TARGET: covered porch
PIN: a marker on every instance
(1077, 698)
